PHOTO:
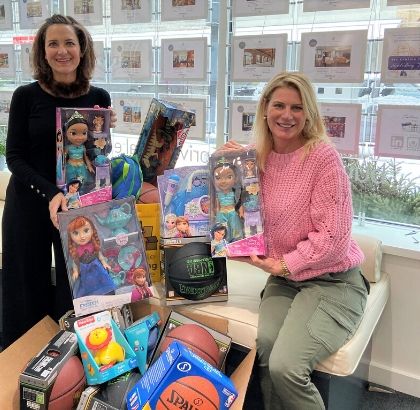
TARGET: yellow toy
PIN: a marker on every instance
(104, 350)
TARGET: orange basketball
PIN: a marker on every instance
(191, 392)
(149, 194)
(195, 338)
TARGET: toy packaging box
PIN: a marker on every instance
(176, 319)
(37, 379)
(236, 220)
(190, 277)
(104, 350)
(181, 379)
(83, 142)
(161, 139)
(105, 256)
(148, 215)
(185, 202)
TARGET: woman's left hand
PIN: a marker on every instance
(269, 265)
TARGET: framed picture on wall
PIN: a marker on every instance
(258, 58)
(5, 99)
(87, 12)
(197, 130)
(131, 60)
(242, 116)
(342, 122)
(100, 66)
(401, 2)
(130, 11)
(32, 13)
(184, 59)
(25, 61)
(184, 9)
(7, 61)
(131, 110)
(327, 5)
(401, 55)
(241, 8)
(6, 20)
(336, 56)
(398, 131)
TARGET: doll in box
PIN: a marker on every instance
(228, 208)
(89, 268)
(78, 165)
(141, 288)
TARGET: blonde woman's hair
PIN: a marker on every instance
(314, 129)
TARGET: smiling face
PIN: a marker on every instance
(224, 178)
(62, 52)
(182, 226)
(77, 133)
(286, 119)
(82, 235)
(219, 235)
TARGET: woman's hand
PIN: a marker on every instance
(269, 265)
(58, 201)
(230, 146)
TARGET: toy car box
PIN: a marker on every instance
(148, 215)
(105, 256)
(184, 195)
(83, 142)
(104, 350)
(166, 291)
(37, 379)
(178, 379)
(236, 218)
(161, 139)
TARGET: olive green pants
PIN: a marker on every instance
(301, 324)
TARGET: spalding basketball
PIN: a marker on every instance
(68, 385)
(192, 271)
(195, 338)
(149, 194)
(191, 392)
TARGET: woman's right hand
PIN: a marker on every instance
(230, 146)
(57, 202)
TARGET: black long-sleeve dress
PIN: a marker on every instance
(27, 232)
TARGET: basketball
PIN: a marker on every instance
(149, 194)
(192, 272)
(188, 393)
(195, 338)
(68, 385)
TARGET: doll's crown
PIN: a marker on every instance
(75, 118)
(222, 161)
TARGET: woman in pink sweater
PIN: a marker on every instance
(315, 295)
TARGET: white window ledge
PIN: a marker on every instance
(396, 240)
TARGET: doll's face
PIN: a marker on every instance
(77, 133)
(82, 235)
(219, 235)
(73, 188)
(170, 222)
(224, 178)
(140, 279)
(182, 226)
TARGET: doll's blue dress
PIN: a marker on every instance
(76, 154)
(230, 217)
(93, 278)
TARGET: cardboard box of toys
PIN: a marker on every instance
(148, 215)
(190, 273)
(83, 142)
(161, 139)
(16, 356)
(105, 256)
(236, 219)
(184, 195)
(36, 382)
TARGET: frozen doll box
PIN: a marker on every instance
(236, 221)
(83, 142)
(105, 256)
(161, 139)
(184, 195)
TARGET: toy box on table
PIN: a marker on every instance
(184, 195)
(190, 274)
(83, 141)
(148, 215)
(104, 251)
(161, 139)
(236, 220)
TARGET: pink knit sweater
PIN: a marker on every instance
(308, 212)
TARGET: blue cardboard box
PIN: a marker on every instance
(179, 378)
